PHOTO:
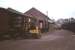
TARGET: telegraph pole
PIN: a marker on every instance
(47, 13)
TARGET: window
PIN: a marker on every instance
(17, 25)
(19, 17)
(29, 20)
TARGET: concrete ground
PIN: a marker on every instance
(58, 40)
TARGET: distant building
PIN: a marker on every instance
(42, 19)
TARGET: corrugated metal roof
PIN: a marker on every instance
(14, 11)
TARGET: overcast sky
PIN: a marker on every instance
(56, 8)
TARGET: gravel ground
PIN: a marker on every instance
(58, 40)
